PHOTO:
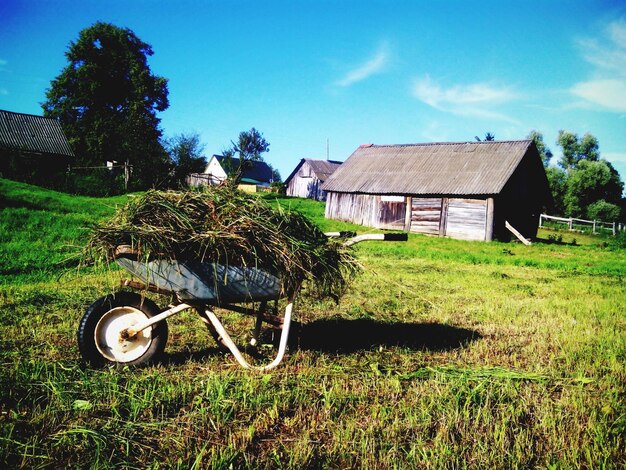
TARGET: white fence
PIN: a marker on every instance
(595, 225)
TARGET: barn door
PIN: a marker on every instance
(426, 215)
(466, 219)
(392, 212)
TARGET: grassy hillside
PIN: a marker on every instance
(43, 230)
(443, 353)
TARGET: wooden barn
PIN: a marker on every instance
(32, 148)
(307, 178)
(467, 190)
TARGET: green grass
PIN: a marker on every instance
(444, 353)
(43, 230)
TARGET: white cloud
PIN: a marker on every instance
(475, 100)
(607, 54)
(377, 64)
(608, 93)
(614, 157)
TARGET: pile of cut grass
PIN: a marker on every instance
(225, 226)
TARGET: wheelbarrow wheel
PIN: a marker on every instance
(99, 330)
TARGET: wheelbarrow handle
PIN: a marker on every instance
(387, 237)
(340, 234)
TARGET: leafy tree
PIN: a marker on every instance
(576, 149)
(544, 152)
(185, 152)
(275, 174)
(602, 210)
(591, 182)
(592, 185)
(248, 148)
(489, 137)
(107, 98)
(557, 180)
(250, 145)
(228, 162)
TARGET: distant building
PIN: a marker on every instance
(218, 167)
(307, 178)
(464, 190)
(32, 148)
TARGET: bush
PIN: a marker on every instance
(605, 211)
(98, 183)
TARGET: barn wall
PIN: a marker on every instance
(306, 188)
(303, 187)
(426, 215)
(461, 218)
(522, 199)
(366, 209)
(466, 219)
(305, 184)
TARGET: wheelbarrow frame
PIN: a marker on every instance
(162, 283)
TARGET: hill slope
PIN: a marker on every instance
(42, 230)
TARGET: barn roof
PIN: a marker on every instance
(321, 168)
(256, 172)
(456, 168)
(29, 133)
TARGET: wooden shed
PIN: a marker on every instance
(307, 178)
(464, 190)
(32, 148)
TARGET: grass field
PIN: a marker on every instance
(443, 354)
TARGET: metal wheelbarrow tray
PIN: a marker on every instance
(128, 328)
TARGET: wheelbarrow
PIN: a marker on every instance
(127, 328)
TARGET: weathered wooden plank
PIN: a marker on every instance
(425, 215)
(466, 219)
(519, 236)
(432, 228)
(489, 220)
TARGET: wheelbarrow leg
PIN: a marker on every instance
(226, 339)
(216, 336)
(258, 323)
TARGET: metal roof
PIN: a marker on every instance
(29, 133)
(456, 168)
(322, 168)
(258, 171)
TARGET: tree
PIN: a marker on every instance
(489, 137)
(602, 210)
(544, 152)
(588, 184)
(107, 98)
(249, 147)
(185, 152)
(592, 185)
(275, 174)
(576, 149)
(557, 181)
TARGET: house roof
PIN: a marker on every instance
(257, 172)
(321, 168)
(461, 168)
(29, 133)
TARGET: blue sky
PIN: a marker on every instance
(350, 72)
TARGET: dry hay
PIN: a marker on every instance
(226, 226)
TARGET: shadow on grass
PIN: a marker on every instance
(349, 336)
(554, 241)
(181, 357)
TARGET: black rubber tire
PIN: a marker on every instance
(94, 313)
